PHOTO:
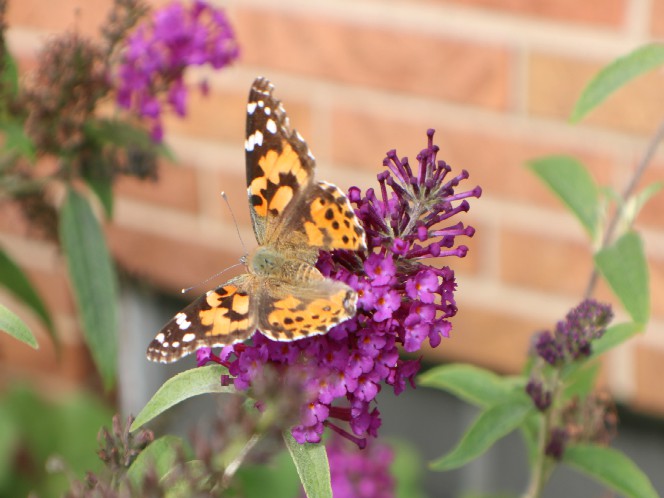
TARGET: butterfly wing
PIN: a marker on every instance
(279, 164)
(305, 308)
(217, 318)
(288, 209)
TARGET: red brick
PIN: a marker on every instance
(487, 338)
(169, 263)
(176, 187)
(83, 16)
(651, 214)
(404, 61)
(497, 163)
(544, 263)
(221, 115)
(657, 18)
(555, 83)
(593, 12)
(656, 267)
(649, 364)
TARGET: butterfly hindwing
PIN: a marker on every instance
(217, 318)
(305, 308)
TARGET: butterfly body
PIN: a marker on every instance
(281, 294)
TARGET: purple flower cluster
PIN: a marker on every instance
(572, 337)
(360, 474)
(158, 52)
(402, 301)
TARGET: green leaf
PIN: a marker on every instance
(184, 385)
(160, 455)
(312, 466)
(475, 385)
(16, 327)
(581, 381)
(570, 181)
(492, 424)
(276, 479)
(103, 189)
(623, 265)
(9, 75)
(93, 281)
(16, 140)
(617, 74)
(407, 469)
(17, 282)
(530, 432)
(615, 336)
(612, 468)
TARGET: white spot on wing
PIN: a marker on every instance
(181, 320)
(188, 337)
(271, 126)
(176, 344)
(268, 111)
(251, 107)
(159, 338)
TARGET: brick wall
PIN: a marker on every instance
(496, 79)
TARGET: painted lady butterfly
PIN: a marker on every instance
(282, 294)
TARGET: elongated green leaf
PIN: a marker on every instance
(16, 327)
(13, 278)
(617, 74)
(530, 432)
(493, 423)
(180, 387)
(623, 265)
(612, 468)
(570, 181)
(472, 384)
(103, 189)
(93, 281)
(636, 203)
(615, 336)
(312, 466)
(160, 455)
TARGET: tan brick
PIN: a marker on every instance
(555, 83)
(176, 187)
(649, 395)
(169, 263)
(438, 67)
(594, 12)
(544, 263)
(496, 163)
(54, 290)
(84, 16)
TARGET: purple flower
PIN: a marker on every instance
(402, 301)
(360, 474)
(572, 337)
(157, 53)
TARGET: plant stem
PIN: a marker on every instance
(627, 193)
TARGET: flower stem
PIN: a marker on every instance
(627, 193)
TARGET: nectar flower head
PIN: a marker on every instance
(572, 337)
(156, 54)
(402, 300)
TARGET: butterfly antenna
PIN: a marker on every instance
(237, 227)
(210, 278)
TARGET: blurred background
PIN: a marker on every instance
(497, 79)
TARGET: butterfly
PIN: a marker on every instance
(282, 294)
